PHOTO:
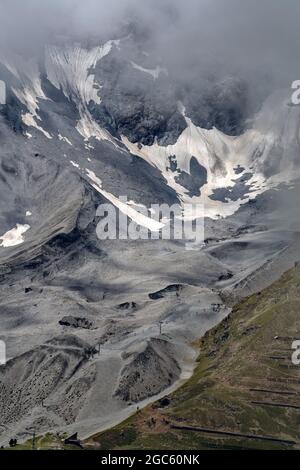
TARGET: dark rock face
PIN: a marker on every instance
(76, 322)
(174, 288)
(239, 169)
(225, 277)
(67, 275)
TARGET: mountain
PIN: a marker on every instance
(85, 123)
(244, 393)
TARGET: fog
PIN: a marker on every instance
(246, 37)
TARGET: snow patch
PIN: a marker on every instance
(14, 236)
(153, 72)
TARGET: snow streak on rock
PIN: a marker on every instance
(69, 69)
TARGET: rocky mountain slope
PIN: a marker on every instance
(244, 393)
